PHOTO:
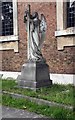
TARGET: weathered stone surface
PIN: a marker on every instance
(34, 75)
(10, 113)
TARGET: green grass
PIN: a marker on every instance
(57, 93)
(52, 112)
(0, 84)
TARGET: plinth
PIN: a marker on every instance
(34, 74)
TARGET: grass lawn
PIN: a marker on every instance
(52, 112)
(57, 93)
(0, 84)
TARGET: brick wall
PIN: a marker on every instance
(58, 61)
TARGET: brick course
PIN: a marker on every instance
(58, 61)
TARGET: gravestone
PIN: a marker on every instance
(35, 72)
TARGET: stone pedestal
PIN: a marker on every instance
(34, 75)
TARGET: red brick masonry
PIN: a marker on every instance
(58, 61)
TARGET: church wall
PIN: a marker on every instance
(59, 61)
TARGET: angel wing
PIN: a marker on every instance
(43, 27)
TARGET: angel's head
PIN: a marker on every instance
(35, 15)
(35, 19)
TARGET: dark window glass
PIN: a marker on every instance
(71, 14)
(6, 18)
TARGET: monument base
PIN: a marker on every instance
(34, 75)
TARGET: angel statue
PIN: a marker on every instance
(36, 30)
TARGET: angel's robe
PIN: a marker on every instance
(36, 37)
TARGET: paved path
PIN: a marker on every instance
(18, 113)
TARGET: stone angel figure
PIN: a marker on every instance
(36, 29)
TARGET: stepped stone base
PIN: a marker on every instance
(34, 75)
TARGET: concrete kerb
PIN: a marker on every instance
(38, 101)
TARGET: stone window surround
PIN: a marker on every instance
(4, 40)
(62, 30)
